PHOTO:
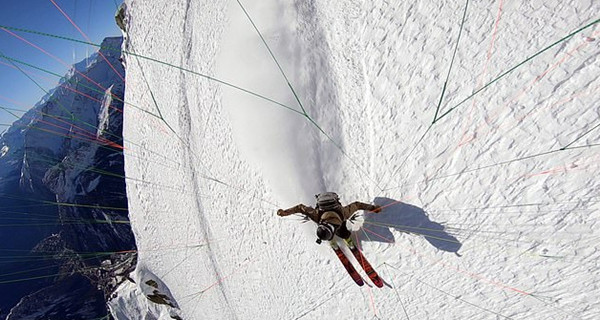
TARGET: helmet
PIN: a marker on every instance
(328, 201)
(325, 231)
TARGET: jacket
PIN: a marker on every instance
(316, 216)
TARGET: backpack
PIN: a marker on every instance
(328, 201)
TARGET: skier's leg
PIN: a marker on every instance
(343, 232)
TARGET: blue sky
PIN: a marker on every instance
(94, 17)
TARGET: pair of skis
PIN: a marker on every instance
(361, 260)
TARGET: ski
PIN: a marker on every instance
(351, 271)
(364, 263)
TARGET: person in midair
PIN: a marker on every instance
(329, 214)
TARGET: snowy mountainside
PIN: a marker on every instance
(486, 216)
(55, 261)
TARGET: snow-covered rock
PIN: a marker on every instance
(144, 296)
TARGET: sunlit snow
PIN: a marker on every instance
(492, 198)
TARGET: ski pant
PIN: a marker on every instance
(343, 231)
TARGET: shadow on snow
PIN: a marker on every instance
(405, 218)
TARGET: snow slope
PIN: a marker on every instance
(486, 218)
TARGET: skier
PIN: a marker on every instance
(330, 215)
(332, 219)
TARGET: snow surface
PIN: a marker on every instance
(490, 238)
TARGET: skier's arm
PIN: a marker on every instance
(305, 210)
(355, 206)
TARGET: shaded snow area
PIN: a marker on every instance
(491, 200)
(65, 237)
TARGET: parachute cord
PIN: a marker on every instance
(362, 262)
(10, 111)
(39, 86)
(160, 115)
(519, 65)
(304, 112)
(65, 204)
(70, 80)
(581, 136)
(87, 38)
(456, 269)
(90, 125)
(586, 146)
(157, 61)
(273, 56)
(215, 80)
(343, 152)
(287, 107)
(446, 293)
(503, 163)
(408, 229)
(406, 158)
(72, 116)
(393, 285)
(439, 103)
(85, 168)
(483, 88)
(451, 62)
(80, 134)
(240, 267)
(209, 176)
(497, 164)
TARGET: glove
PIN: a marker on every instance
(280, 212)
(377, 209)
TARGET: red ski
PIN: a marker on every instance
(365, 264)
(351, 271)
